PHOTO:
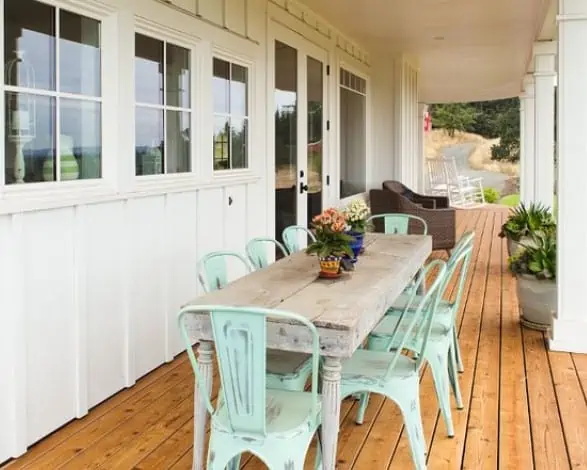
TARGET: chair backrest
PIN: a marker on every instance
(436, 173)
(418, 324)
(291, 239)
(452, 172)
(257, 251)
(399, 223)
(465, 240)
(240, 338)
(213, 269)
(462, 259)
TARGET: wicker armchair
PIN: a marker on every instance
(435, 210)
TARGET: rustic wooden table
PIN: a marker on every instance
(343, 310)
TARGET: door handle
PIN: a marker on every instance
(303, 187)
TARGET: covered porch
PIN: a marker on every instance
(525, 406)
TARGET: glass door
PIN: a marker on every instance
(299, 98)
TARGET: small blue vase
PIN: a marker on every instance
(356, 243)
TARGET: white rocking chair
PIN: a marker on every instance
(445, 180)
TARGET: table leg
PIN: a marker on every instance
(330, 411)
(206, 353)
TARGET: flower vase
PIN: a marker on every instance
(356, 243)
(330, 267)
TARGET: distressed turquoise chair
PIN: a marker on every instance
(395, 375)
(275, 425)
(257, 251)
(399, 223)
(440, 350)
(285, 370)
(290, 237)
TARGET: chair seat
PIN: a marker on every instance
(286, 411)
(371, 366)
(388, 325)
(286, 363)
(443, 312)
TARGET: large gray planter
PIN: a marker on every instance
(537, 300)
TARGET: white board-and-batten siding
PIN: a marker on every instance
(91, 278)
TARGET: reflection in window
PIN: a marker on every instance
(230, 97)
(163, 107)
(47, 132)
(352, 134)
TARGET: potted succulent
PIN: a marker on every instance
(356, 214)
(331, 242)
(523, 222)
(535, 267)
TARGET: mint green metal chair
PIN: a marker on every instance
(257, 251)
(395, 375)
(399, 223)
(440, 351)
(285, 370)
(275, 425)
(290, 237)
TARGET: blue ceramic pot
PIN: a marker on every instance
(357, 242)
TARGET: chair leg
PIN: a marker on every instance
(454, 377)
(364, 401)
(234, 464)
(410, 408)
(439, 365)
(459, 357)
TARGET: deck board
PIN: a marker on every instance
(525, 407)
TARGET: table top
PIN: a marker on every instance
(348, 307)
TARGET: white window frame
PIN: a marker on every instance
(342, 65)
(191, 43)
(108, 47)
(232, 173)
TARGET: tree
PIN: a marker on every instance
(453, 117)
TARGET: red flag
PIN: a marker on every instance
(427, 122)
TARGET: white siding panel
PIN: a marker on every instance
(103, 250)
(210, 225)
(146, 220)
(181, 256)
(51, 319)
(236, 15)
(212, 10)
(235, 231)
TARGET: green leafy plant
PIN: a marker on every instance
(329, 227)
(537, 258)
(491, 195)
(526, 221)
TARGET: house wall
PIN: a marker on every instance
(93, 274)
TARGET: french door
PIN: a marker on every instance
(300, 91)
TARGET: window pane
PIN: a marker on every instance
(315, 144)
(80, 139)
(178, 76)
(239, 130)
(148, 70)
(29, 138)
(238, 91)
(178, 142)
(220, 86)
(221, 147)
(79, 54)
(352, 143)
(29, 33)
(149, 141)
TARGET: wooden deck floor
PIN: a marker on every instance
(525, 407)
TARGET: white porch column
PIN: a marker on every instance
(420, 156)
(544, 82)
(569, 332)
(527, 131)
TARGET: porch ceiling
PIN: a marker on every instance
(467, 50)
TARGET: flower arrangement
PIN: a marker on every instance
(331, 240)
(356, 214)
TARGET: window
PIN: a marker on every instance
(52, 91)
(163, 107)
(353, 126)
(231, 116)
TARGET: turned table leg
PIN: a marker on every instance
(330, 411)
(206, 354)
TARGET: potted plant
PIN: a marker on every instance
(525, 221)
(356, 214)
(535, 267)
(331, 242)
